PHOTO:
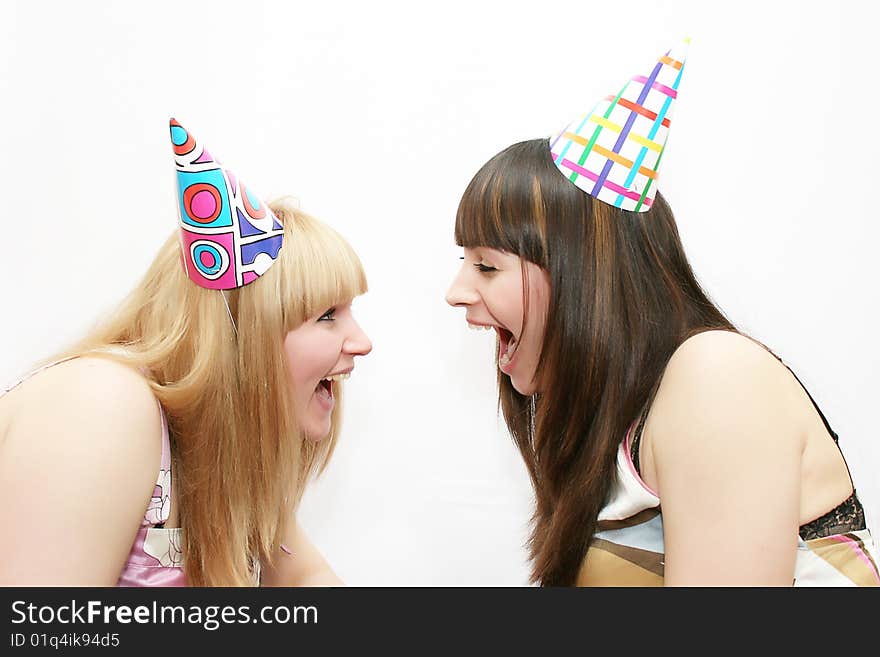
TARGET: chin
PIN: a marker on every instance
(520, 388)
(525, 389)
(316, 434)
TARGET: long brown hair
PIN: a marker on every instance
(623, 298)
(239, 460)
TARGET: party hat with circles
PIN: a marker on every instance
(228, 236)
(614, 152)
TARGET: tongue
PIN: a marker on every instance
(508, 347)
(324, 389)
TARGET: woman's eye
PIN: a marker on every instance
(484, 268)
(327, 316)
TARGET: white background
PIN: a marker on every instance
(375, 115)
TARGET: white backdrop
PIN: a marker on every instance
(375, 115)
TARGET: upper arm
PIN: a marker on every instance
(304, 566)
(727, 456)
(77, 468)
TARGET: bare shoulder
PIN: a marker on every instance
(94, 405)
(103, 403)
(711, 351)
(82, 451)
(92, 384)
(717, 377)
(722, 362)
(725, 452)
(95, 372)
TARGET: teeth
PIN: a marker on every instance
(477, 327)
(338, 377)
(511, 349)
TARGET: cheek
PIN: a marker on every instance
(300, 384)
(299, 357)
(310, 357)
(509, 305)
(539, 300)
(536, 329)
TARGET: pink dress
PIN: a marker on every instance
(155, 558)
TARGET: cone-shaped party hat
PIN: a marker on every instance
(613, 153)
(228, 236)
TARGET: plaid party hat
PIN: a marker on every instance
(613, 153)
(228, 236)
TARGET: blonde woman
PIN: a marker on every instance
(172, 445)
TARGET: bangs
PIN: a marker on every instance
(324, 270)
(503, 206)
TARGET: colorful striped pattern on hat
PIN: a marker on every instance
(613, 153)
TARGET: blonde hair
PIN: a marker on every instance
(240, 459)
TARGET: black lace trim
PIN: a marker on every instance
(848, 516)
(634, 448)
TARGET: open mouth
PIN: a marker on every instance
(507, 342)
(325, 386)
(507, 345)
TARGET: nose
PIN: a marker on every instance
(460, 293)
(357, 343)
